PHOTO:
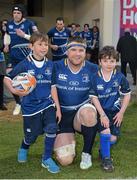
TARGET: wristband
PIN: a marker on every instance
(26, 36)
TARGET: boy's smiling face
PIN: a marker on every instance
(40, 49)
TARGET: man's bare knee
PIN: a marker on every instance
(65, 161)
(65, 154)
(88, 117)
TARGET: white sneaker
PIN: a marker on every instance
(17, 109)
(85, 161)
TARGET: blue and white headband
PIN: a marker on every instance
(75, 44)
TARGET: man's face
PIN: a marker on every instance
(17, 15)
(76, 55)
(73, 27)
(86, 28)
(59, 25)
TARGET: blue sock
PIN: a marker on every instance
(105, 145)
(48, 146)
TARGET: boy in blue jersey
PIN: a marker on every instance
(107, 85)
(38, 108)
(77, 32)
(59, 37)
(19, 30)
(73, 80)
(88, 36)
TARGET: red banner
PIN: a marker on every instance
(128, 17)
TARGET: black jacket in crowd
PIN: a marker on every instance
(127, 47)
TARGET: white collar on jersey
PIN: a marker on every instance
(22, 20)
(107, 80)
(37, 63)
(61, 29)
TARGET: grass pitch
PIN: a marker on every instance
(124, 153)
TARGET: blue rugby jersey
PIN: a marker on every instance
(19, 46)
(40, 98)
(109, 92)
(73, 88)
(77, 34)
(88, 36)
(59, 38)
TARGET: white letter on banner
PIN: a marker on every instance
(136, 3)
(130, 17)
(135, 18)
(128, 6)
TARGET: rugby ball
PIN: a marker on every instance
(24, 82)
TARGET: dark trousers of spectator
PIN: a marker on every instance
(132, 66)
(17, 99)
(95, 55)
(1, 90)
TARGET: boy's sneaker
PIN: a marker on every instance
(85, 161)
(107, 164)
(22, 155)
(50, 165)
(17, 109)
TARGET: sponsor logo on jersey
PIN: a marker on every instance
(48, 71)
(115, 84)
(22, 26)
(74, 83)
(85, 78)
(39, 76)
(31, 71)
(108, 90)
(62, 77)
(56, 34)
(100, 87)
(28, 130)
(10, 26)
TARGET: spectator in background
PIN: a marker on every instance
(69, 27)
(59, 36)
(88, 36)
(89, 56)
(2, 65)
(77, 31)
(95, 49)
(2, 73)
(19, 30)
(127, 47)
(73, 28)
